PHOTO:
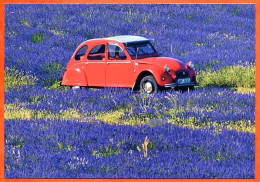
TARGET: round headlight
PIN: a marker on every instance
(166, 68)
(190, 64)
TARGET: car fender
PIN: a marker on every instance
(159, 74)
(75, 76)
(156, 72)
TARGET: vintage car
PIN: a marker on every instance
(126, 61)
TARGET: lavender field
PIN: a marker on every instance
(57, 132)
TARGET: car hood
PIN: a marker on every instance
(173, 64)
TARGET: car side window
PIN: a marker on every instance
(81, 52)
(97, 53)
(115, 52)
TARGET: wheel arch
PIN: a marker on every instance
(140, 77)
(75, 77)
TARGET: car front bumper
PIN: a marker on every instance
(173, 85)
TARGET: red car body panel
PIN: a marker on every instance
(75, 75)
(101, 70)
(96, 72)
(119, 73)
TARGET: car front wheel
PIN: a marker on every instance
(148, 84)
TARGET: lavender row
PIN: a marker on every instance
(41, 36)
(205, 105)
(69, 149)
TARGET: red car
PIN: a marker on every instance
(126, 61)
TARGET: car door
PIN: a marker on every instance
(96, 65)
(119, 68)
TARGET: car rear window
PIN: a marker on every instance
(81, 52)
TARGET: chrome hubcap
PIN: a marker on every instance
(75, 87)
(148, 87)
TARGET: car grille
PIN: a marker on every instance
(182, 74)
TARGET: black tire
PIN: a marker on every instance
(78, 87)
(148, 84)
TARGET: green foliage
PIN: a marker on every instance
(151, 145)
(61, 146)
(107, 151)
(16, 141)
(229, 76)
(17, 110)
(143, 20)
(25, 22)
(56, 85)
(198, 44)
(205, 155)
(14, 78)
(37, 37)
(52, 67)
(235, 11)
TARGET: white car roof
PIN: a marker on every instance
(127, 38)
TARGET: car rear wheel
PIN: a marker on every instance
(148, 84)
(75, 87)
(78, 87)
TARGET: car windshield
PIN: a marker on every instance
(141, 50)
